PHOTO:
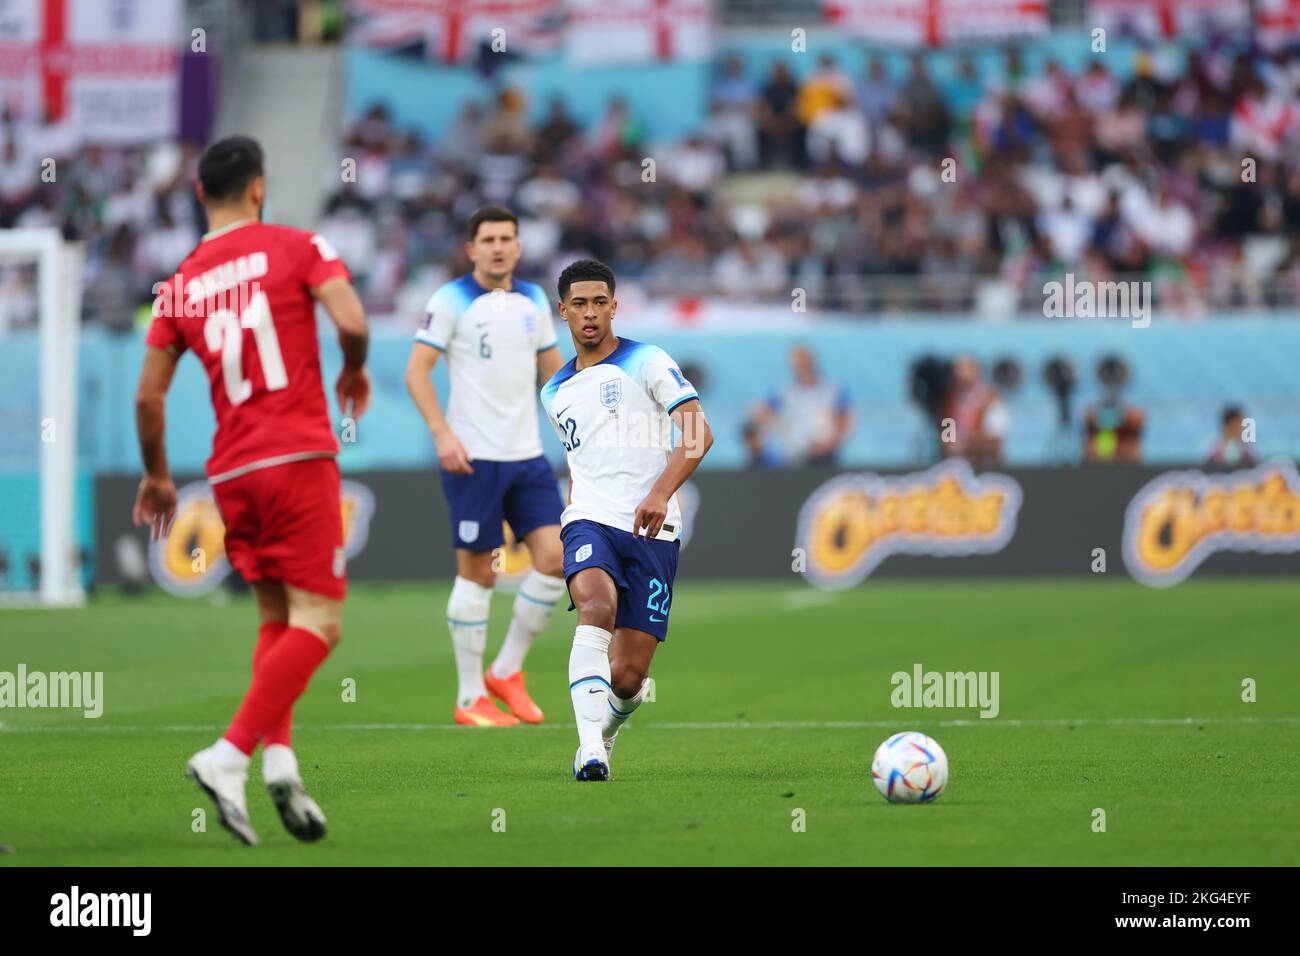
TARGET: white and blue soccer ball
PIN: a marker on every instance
(910, 767)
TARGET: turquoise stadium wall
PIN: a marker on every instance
(1182, 376)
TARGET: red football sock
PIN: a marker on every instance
(279, 679)
(267, 635)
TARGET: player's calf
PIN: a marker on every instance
(620, 705)
(534, 603)
(589, 689)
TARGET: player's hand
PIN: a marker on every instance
(155, 505)
(452, 454)
(353, 391)
(650, 515)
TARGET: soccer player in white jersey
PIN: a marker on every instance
(614, 406)
(498, 334)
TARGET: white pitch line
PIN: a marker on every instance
(710, 725)
(808, 598)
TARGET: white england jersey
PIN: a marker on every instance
(613, 418)
(491, 340)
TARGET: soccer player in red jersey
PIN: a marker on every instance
(244, 301)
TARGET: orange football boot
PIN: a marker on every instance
(512, 692)
(483, 713)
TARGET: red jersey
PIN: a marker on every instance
(242, 302)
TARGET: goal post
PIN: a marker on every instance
(57, 579)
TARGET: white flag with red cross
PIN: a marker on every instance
(111, 70)
(935, 23)
(637, 31)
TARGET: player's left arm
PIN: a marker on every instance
(155, 499)
(344, 306)
(697, 439)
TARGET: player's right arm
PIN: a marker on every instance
(155, 499)
(431, 339)
(344, 306)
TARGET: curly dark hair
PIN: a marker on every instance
(585, 270)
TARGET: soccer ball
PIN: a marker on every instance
(910, 768)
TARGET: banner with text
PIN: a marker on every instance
(818, 527)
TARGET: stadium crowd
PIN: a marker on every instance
(855, 178)
(847, 181)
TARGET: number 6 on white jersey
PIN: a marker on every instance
(223, 332)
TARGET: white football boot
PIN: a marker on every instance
(224, 784)
(591, 765)
(299, 812)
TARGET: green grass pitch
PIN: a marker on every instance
(770, 698)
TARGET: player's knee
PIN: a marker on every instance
(320, 615)
(551, 566)
(476, 566)
(331, 632)
(598, 611)
(484, 579)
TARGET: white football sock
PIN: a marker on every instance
(467, 617)
(619, 709)
(537, 597)
(279, 764)
(589, 683)
(229, 756)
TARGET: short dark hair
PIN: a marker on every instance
(491, 213)
(585, 270)
(1231, 413)
(228, 166)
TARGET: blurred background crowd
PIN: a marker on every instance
(873, 191)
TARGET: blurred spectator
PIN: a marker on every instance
(1096, 89)
(780, 133)
(824, 88)
(1230, 449)
(506, 128)
(757, 454)
(750, 269)
(980, 417)
(617, 134)
(876, 95)
(557, 132)
(1113, 429)
(809, 420)
(733, 116)
(697, 166)
(924, 114)
(839, 131)
(463, 143)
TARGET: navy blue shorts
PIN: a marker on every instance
(643, 571)
(524, 493)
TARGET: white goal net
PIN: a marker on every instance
(45, 506)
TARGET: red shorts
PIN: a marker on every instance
(285, 523)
